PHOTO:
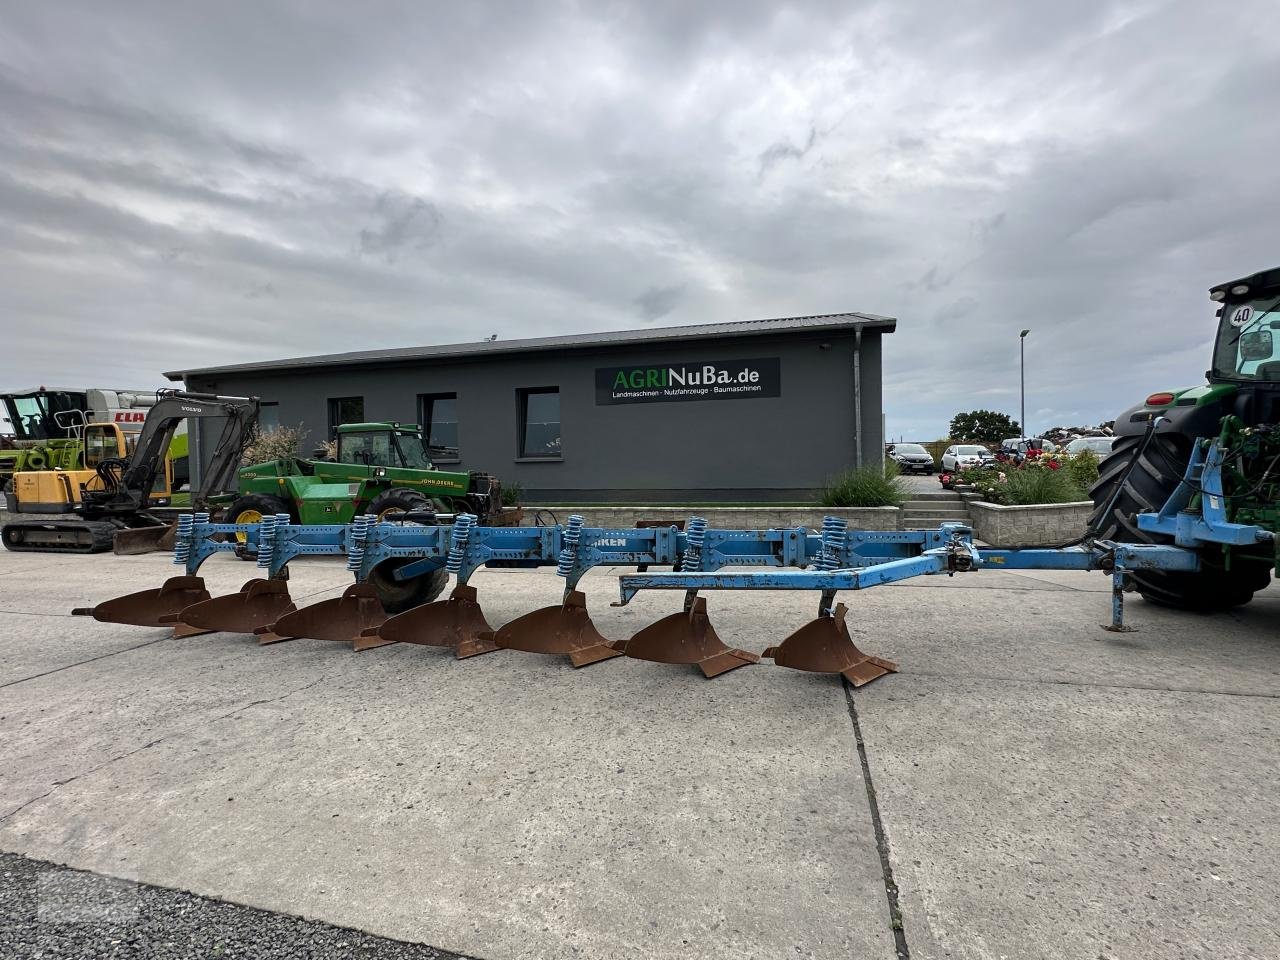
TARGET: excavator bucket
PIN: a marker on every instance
(824, 646)
(566, 630)
(457, 622)
(138, 540)
(152, 608)
(257, 604)
(687, 637)
(343, 618)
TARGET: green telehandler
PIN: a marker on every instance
(380, 468)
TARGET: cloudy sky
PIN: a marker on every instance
(188, 183)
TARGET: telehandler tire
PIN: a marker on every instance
(388, 503)
(251, 508)
(1154, 478)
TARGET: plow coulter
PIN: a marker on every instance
(391, 561)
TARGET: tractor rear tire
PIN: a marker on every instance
(1149, 485)
(397, 500)
(397, 596)
(247, 506)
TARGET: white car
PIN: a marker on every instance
(962, 456)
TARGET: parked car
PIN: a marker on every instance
(961, 456)
(1020, 445)
(912, 458)
(1100, 447)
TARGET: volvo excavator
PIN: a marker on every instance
(118, 497)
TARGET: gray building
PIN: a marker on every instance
(762, 410)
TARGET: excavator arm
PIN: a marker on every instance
(126, 486)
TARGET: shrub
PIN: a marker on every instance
(511, 495)
(1032, 485)
(278, 443)
(1082, 469)
(870, 486)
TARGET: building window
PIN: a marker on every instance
(540, 422)
(344, 410)
(268, 417)
(438, 414)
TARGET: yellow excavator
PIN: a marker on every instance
(58, 491)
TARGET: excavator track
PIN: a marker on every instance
(58, 536)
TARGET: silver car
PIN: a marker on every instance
(962, 456)
(1100, 447)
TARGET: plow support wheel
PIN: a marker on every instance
(341, 618)
(824, 646)
(566, 630)
(457, 622)
(150, 608)
(687, 637)
(257, 604)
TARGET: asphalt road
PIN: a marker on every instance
(1027, 785)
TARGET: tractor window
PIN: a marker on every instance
(1248, 346)
(412, 453)
(370, 449)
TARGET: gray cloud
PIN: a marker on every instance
(241, 183)
(657, 302)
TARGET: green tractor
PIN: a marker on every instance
(1240, 407)
(380, 468)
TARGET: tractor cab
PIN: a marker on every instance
(1248, 344)
(383, 445)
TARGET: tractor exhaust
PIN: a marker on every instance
(564, 630)
(825, 646)
(687, 637)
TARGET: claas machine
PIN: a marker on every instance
(1185, 514)
(47, 425)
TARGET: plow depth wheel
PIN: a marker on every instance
(397, 596)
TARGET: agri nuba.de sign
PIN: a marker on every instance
(691, 380)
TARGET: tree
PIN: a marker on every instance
(984, 426)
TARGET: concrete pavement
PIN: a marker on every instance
(1043, 788)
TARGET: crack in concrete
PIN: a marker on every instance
(1080, 683)
(882, 840)
(59, 784)
(80, 663)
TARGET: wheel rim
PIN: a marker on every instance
(246, 516)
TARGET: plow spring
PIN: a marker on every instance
(394, 560)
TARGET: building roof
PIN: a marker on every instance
(702, 331)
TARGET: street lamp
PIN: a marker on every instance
(1022, 350)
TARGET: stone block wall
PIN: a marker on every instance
(1047, 524)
